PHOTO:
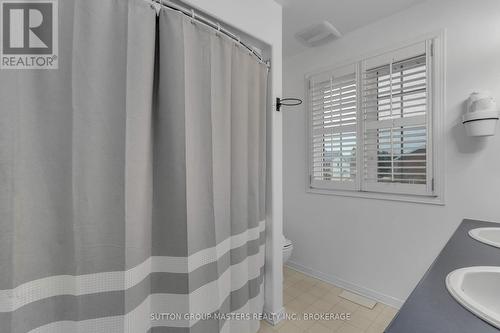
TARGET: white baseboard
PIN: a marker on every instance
(379, 297)
(274, 318)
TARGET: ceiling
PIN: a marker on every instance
(345, 15)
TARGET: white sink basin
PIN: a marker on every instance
(490, 236)
(478, 290)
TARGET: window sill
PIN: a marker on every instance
(430, 200)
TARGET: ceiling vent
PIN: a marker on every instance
(318, 34)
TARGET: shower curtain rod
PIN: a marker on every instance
(214, 25)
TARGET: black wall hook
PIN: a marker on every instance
(287, 102)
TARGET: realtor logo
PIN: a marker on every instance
(29, 34)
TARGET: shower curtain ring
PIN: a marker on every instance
(193, 16)
(157, 6)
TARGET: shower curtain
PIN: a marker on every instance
(132, 179)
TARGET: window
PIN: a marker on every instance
(334, 101)
(371, 124)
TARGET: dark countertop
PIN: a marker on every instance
(430, 308)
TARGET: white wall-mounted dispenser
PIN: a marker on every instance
(481, 116)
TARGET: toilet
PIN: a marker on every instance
(287, 249)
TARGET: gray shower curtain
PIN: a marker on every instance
(132, 179)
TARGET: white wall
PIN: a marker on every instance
(383, 248)
(262, 20)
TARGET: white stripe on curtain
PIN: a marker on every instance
(134, 322)
(13, 299)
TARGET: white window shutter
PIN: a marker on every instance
(371, 124)
(395, 112)
(333, 104)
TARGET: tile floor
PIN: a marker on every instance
(304, 294)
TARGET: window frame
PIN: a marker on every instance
(435, 52)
